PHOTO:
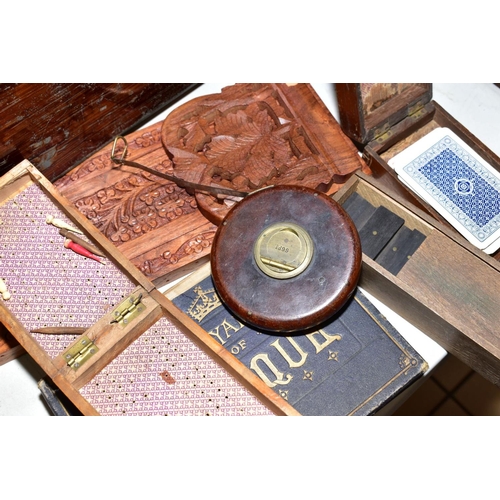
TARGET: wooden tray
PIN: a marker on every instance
(447, 288)
(255, 135)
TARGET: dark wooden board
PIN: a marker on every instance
(358, 209)
(378, 231)
(56, 126)
(399, 249)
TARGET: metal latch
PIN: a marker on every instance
(127, 310)
(78, 354)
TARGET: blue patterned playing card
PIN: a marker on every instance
(463, 189)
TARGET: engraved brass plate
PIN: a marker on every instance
(283, 250)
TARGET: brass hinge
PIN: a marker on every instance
(417, 110)
(128, 309)
(383, 133)
(78, 354)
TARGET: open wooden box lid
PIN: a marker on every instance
(373, 112)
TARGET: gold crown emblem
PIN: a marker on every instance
(205, 302)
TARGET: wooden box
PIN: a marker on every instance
(383, 119)
(447, 287)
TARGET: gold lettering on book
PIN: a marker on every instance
(284, 394)
(288, 359)
(240, 346)
(320, 340)
(328, 339)
(333, 355)
(204, 303)
(279, 376)
(224, 329)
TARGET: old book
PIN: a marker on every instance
(354, 365)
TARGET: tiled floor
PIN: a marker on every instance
(453, 389)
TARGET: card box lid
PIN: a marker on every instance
(368, 111)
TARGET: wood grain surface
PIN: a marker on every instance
(255, 135)
(153, 222)
(58, 125)
(9, 347)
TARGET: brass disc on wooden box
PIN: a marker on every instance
(286, 259)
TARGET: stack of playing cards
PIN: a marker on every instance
(457, 183)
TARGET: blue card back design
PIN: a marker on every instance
(460, 185)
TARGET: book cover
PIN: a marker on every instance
(354, 365)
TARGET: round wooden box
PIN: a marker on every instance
(286, 259)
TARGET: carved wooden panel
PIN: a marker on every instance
(153, 222)
(259, 134)
(255, 135)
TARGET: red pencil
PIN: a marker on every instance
(80, 250)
